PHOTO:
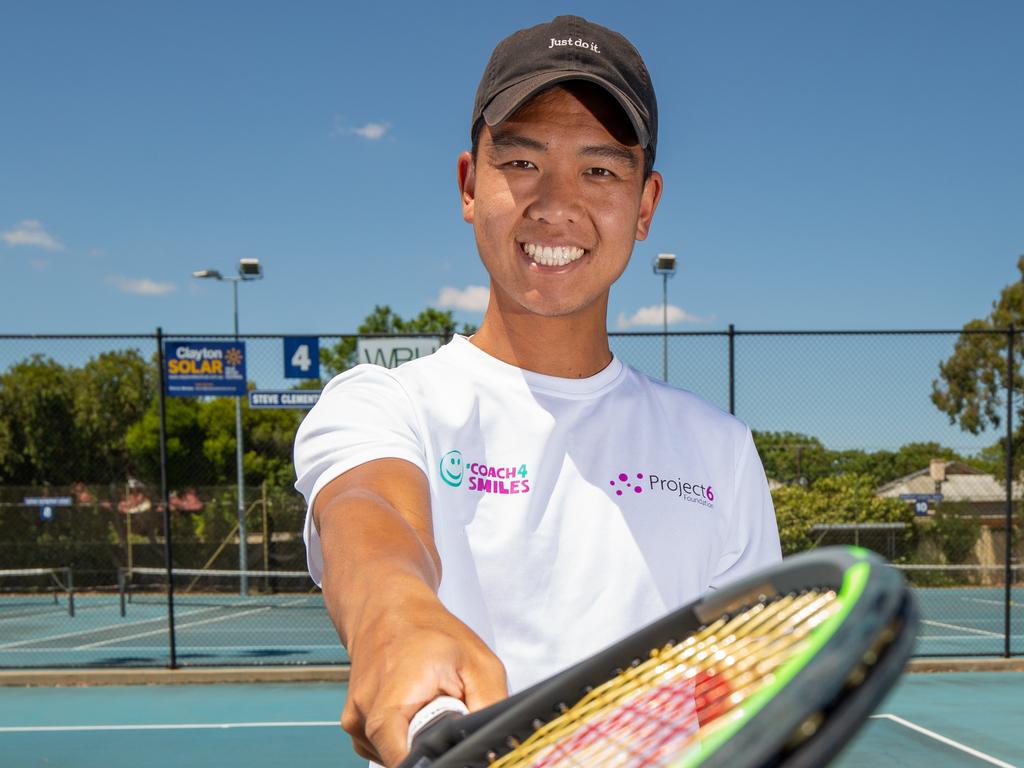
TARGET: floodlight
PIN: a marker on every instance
(664, 264)
(208, 273)
(250, 269)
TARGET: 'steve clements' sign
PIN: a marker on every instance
(283, 398)
(204, 368)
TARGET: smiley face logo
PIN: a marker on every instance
(451, 468)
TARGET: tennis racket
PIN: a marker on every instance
(777, 669)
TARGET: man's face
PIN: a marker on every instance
(557, 197)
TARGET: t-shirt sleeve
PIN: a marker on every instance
(754, 543)
(363, 414)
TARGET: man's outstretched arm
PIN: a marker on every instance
(380, 581)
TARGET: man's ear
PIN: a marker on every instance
(467, 184)
(648, 204)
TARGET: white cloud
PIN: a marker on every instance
(372, 131)
(655, 316)
(472, 298)
(141, 286)
(30, 232)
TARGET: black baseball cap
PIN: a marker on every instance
(567, 48)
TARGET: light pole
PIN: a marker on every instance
(248, 269)
(664, 264)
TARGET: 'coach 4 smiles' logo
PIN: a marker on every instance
(451, 468)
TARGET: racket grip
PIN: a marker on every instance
(441, 708)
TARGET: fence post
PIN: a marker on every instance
(732, 369)
(1010, 339)
(172, 660)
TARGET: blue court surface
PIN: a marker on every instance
(210, 630)
(293, 628)
(930, 720)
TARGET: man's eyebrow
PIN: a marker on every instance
(611, 152)
(515, 141)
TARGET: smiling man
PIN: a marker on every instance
(484, 517)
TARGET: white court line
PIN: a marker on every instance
(166, 726)
(964, 629)
(944, 740)
(993, 602)
(98, 629)
(225, 617)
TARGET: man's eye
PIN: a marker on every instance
(599, 172)
(524, 164)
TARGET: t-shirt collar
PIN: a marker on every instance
(539, 382)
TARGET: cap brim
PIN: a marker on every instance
(513, 97)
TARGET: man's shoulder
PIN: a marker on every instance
(684, 404)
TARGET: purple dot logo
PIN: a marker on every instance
(623, 480)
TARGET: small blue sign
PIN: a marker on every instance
(204, 368)
(301, 357)
(46, 514)
(48, 501)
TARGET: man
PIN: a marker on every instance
(521, 499)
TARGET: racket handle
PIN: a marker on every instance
(441, 708)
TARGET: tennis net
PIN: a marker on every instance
(218, 588)
(962, 575)
(32, 587)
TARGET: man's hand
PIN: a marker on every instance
(409, 655)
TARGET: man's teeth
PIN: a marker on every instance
(552, 257)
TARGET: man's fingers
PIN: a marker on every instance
(484, 684)
(388, 733)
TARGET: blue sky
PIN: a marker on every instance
(827, 164)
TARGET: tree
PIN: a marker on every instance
(430, 321)
(846, 499)
(792, 457)
(112, 392)
(38, 443)
(974, 379)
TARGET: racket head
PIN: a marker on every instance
(817, 699)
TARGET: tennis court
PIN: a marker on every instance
(934, 720)
(281, 620)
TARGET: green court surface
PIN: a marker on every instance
(933, 721)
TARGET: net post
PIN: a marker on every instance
(120, 589)
(1008, 578)
(69, 576)
(172, 661)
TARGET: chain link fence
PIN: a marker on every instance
(849, 427)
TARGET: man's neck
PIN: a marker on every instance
(570, 347)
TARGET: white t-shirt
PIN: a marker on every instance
(567, 513)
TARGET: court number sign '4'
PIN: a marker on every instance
(301, 357)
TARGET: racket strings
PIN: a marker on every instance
(661, 708)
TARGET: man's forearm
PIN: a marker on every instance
(374, 560)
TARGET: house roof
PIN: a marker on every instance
(963, 483)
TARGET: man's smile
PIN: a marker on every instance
(552, 256)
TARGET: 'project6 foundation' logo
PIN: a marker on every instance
(451, 468)
(696, 493)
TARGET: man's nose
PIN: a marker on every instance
(557, 200)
